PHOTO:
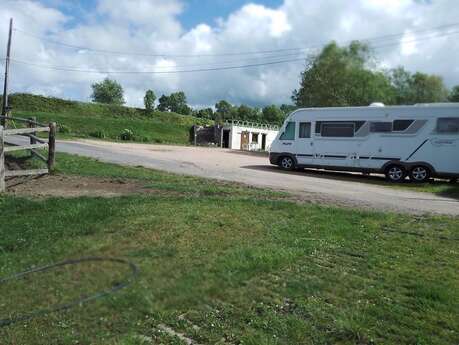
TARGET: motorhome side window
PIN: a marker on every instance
(448, 125)
(337, 130)
(289, 132)
(305, 130)
(402, 125)
(381, 127)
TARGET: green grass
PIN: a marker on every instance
(244, 265)
(439, 187)
(435, 187)
(83, 120)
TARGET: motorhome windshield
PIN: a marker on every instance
(289, 132)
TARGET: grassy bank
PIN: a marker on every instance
(79, 119)
(227, 264)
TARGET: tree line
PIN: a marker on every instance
(337, 76)
(111, 92)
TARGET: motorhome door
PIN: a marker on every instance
(305, 145)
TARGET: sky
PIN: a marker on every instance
(255, 50)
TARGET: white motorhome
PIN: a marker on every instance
(419, 141)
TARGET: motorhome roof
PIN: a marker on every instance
(379, 108)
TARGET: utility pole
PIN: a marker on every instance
(5, 105)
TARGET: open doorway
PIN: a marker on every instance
(226, 138)
(263, 142)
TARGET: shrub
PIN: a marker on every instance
(127, 134)
(98, 134)
(64, 129)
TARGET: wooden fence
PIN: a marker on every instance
(35, 143)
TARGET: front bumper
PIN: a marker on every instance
(274, 157)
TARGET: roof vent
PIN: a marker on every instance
(377, 104)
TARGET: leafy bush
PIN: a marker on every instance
(64, 129)
(127, 134)
(108, 91)
(98, 134)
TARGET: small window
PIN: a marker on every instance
(318, 127)
(254, 137)
(305, 130)
(448, 125)
(289, 132)
(402, 125)
(338, 130)
(380, 127)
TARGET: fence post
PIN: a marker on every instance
(51, 146)
(2, 161)
(32, 124)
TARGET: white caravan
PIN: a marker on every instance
(419, 141)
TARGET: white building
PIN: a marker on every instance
(248, 136)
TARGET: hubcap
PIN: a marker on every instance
(287, 163)
(419, 173)
(395, 173)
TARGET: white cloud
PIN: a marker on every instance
(158, 16)
(153, 26)
(258, 22)
(408, 44)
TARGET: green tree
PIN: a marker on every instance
(175, 102)
(272, 114)
(454, 94)
(178, 103)
(417, 88)
(287, 109)
(224, 111)
(207, 113)
(149, 101)
(245, 113)
(163, 103)
(401, 82)
(341, 76)
(427, 88)
(108, 91)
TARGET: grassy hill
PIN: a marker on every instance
(91, 120)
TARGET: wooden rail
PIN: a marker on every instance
(35, 143)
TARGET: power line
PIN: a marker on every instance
(157, 72)
(435, 28)
(165, 55)
(210, 64)
(414, 40)
(110, 52)
(219, 68)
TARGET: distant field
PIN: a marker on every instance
(226, 264)
(78, 119)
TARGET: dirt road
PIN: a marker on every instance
(254, 169)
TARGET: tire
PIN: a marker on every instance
(395, 173)
(420, 174)
(453, 180)
(287, 163)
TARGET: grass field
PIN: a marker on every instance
(224, 264)
(83, 120)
